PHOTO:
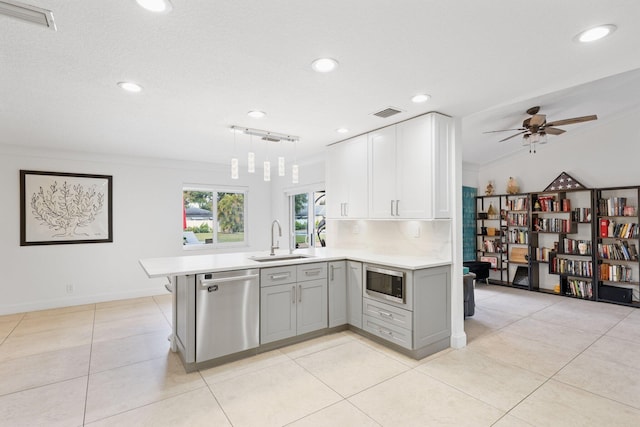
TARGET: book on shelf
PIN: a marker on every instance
(615, 206)
(518, 220)
(620, 250)
(552, 225)
(571, 266)
(518, 236)
(542, 254)
(582, 214)
(576, 247)
(615, 273)
(518, 204)
(580, 288)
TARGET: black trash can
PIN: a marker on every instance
(469, 298)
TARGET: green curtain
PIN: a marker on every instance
(469, 223)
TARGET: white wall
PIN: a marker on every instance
(147, 221)
(605, 156)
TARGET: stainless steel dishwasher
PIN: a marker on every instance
(227, 313)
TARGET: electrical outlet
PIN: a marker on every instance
(69, 289)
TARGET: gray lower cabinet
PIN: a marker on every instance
(293, 301)
(354, 293)
(337, 293)
(424, 324)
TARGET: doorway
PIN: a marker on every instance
(307, 213)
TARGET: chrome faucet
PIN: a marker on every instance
(277, 245)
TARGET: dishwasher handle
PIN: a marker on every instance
(209, 282)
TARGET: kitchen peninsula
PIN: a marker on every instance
(230, 306)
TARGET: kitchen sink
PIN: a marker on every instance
(286, 257)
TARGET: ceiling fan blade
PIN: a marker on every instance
(554, 131)
(537, 120)
(503, 130)
(573, 121)
(513, 136)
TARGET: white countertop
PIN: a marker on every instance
(195, 264)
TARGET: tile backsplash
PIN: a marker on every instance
(411, 237)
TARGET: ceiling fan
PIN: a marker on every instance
(536, 128)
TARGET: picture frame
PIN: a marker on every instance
(65, 208)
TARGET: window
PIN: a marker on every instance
(308, 213)
(213, 217)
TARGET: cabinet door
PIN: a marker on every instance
(277, 312)
(382, 173)
(356, 167)
(414, 168)
(337, 293)
(312, 306)
(336, 180)
(354, 293)
(442, 188)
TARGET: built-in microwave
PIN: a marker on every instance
(385, 284)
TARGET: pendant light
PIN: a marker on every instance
(251, 157)
(281, 166)
(294, 168)
(267, 165)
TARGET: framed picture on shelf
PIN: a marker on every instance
(490, 259)
(64, 208)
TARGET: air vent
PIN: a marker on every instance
(387, 112)
(27, 13)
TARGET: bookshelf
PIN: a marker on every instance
(491, 243)
(617, 238)
(562, 242)
(519, 273)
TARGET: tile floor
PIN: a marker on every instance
(532, 360)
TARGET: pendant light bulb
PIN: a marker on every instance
(267, 170)
(281, 167)
(251, 158)
(294, 174)
(234, 168)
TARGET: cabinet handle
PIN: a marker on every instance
(397, 206)
(299, 293)
(392, 208)
(346, 209)
(385, 314)
(279, 276)
(312, 272)
(383, 331)
(332, 268)
(293, 292)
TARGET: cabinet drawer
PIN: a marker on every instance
(388, 314)
(392, 333)
(317, 270)
(277, 275)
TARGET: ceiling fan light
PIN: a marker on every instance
(422, 97)
(324, 65)
(596, 33)
(158, 6)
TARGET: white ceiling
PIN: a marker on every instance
(204, 65)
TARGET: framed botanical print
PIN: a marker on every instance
(63, 208)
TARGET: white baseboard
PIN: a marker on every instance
(459, 341)
(80, 300)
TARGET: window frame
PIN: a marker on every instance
(215, 190)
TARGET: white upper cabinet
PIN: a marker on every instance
(346, 180)
(409, 173)
(397, 172)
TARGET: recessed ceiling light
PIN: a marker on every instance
(324, 65)
(158, 6)
(422, 97)
(256, 114)
(342, 130)
(130, 86)
(595, 33)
